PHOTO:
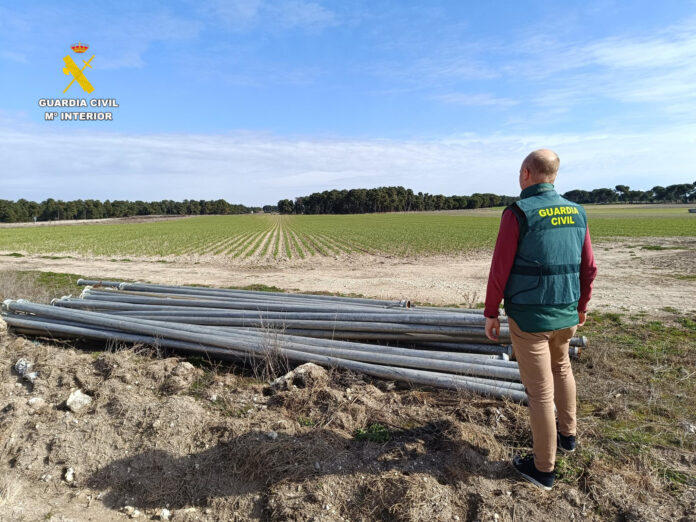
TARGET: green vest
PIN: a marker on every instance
(543, 289)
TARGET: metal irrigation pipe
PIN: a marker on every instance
(252, 343)
(414, 376)
(234, 305)
(354, 326)
(316, 316)
(43, 327)
(493, 368)
(194, 290)
(39, 327)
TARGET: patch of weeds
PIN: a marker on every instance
(14, 254)
(374, 433)
(125, 260)
(571, 468)
(243, 410)
(669, 310)
(306, 421)
(685, 277)
(611, 318)
(658, 247)
(676, 479)
(199, 387)
(687, 323)
(56, 257)
(259, 287)
(656, 326)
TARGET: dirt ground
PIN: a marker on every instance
(631, 276)
(64, 222)
(216, 443)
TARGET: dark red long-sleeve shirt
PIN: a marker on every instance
(504, 257)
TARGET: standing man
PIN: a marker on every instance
(544, 267)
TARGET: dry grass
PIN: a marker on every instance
(39, 287)
(10, 491)
(163, 432)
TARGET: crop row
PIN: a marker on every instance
(272, 237)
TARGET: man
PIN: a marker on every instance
(544, 267)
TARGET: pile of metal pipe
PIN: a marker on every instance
(424, 346)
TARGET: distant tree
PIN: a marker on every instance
(286, 206)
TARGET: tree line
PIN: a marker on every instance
(354, 201)
(681, 193)
(399, 199)
(385, 199)
(51, 209)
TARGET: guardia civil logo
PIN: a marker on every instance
(78, 74)
(78, 80)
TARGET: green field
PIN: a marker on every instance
(276, 237)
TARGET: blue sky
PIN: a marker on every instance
(254, 100)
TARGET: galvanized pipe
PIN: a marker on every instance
(54, 329)
(250, 342)
(194, 290)
(414, 376)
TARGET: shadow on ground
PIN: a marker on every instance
(254, 461)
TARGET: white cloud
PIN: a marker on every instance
(257, 169)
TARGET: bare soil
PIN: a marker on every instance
(214, 445)
(631, 276)
(105, 221)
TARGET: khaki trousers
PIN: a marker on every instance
(546, 374)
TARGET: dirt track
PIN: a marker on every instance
(630, 276)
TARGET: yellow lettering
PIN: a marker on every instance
(554, 221)
(570, 221)
(542, 212)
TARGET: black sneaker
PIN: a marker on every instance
(525, 467)
(566, 444)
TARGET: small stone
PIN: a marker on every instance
(272, 435)
(22, 366)
(69, 475)
(573, 498)
(128, 510)
(36, 403)
(496, 517)
(213, 397)
(31, 377)
(77, 400)
(165, 514)
(317, 466)
(135, 514)
(689, 428)
(183, 368)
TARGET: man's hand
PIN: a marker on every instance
(581, 316)
(492, 328)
